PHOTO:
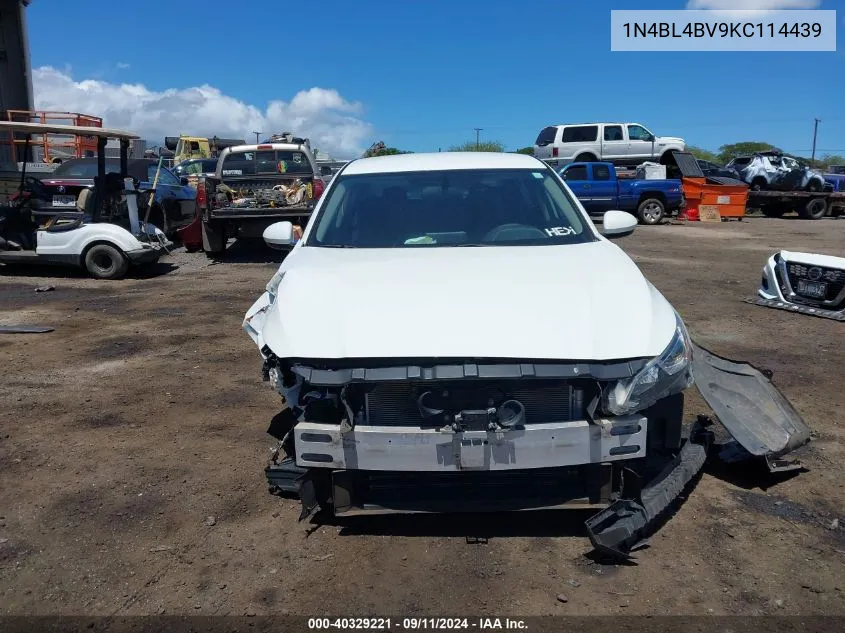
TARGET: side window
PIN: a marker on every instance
(638, 133)
(613, 133)
(576, 172)
(580, 133)
(601, 172)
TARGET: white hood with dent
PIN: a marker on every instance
(578, 302)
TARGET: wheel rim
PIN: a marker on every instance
(651, 212)
(103, 261)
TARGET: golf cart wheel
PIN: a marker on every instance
(213, 239)
(815, 209)
(651, 211)
(103, 261)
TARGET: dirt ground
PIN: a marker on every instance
(132, 448)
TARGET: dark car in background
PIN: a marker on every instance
(195, 167)
(712, 170)
(174, 205)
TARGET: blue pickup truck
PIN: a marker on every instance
(599, 190)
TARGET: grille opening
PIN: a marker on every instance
(832, 277)
(395, 404)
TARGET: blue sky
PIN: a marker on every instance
(421, 75)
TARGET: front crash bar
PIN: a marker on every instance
(619, 528)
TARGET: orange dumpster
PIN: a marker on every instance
(706, 194)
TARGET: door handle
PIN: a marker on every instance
(587, 186)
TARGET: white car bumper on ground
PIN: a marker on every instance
(804, 282)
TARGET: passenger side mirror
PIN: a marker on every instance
(183, 181)
(618, 224)
(279, 235)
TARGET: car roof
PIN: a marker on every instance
(440, 161)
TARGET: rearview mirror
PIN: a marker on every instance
(279, 235)
(618, 224)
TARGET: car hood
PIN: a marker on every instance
(580, 302)
(669, 140)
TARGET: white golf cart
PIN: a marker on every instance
(102, 232)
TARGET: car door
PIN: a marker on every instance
(602, 188)
(614, 145)
(640, 143)
(577, 178)
(177, 201)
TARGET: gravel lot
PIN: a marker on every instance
(132, 444)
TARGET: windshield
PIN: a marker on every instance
(87, 169)
(477, 207)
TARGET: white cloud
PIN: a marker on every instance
(332, 123)
(752, 5)
(122, 65)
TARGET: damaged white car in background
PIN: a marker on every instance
(452, 333)
(808, 283)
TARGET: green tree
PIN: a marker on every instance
(832, 159)
(380, 149)
(731, 151)
(484, 146)
(525, 150)
(703, 154)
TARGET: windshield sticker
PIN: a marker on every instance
(425, 239)
(283, 166)
(560, 231)
(297, 158)
(233, 172)
(537, 175)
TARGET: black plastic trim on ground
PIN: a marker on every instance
(836, 315)
(618, 529)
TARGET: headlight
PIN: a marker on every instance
(273, 285)
(668, 374)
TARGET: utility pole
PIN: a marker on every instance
(256, 136)
(815, 133)
(477, 131)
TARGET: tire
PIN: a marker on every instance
(104, 261)
(585, 158)
(815, 186)
(651, 211)
(213, 239)
(815, 209)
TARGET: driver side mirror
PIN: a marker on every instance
(183, 180)
(618, 224)
(279, 235)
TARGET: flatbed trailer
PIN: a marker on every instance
(809, 205)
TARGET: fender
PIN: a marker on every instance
(73, 243)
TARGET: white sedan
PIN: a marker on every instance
(452, 332)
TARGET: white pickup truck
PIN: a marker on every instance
(618, 143)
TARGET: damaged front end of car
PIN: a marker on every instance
(364, 436)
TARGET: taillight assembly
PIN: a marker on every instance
(202, 197)
(318, 188)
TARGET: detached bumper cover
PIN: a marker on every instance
(751, 408)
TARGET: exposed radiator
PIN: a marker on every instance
(395, 404)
